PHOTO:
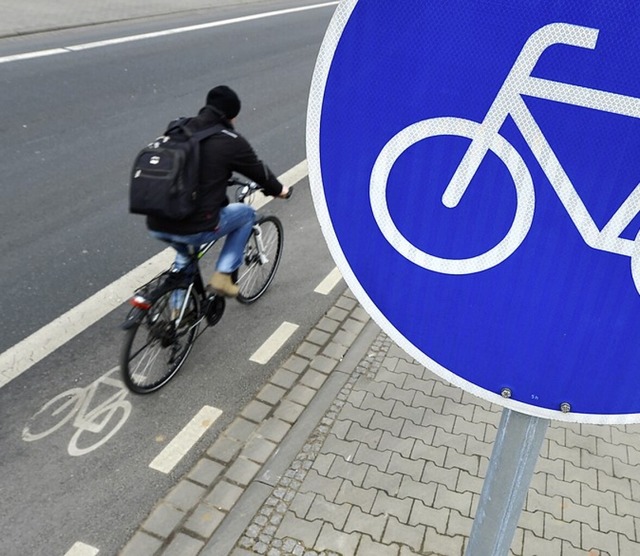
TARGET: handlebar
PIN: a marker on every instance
(246, 188)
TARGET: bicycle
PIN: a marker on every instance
(167, 312)
(74, 405)
(485, 136)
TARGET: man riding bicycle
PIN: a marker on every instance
(220, 155)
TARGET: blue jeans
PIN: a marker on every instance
(236, 222)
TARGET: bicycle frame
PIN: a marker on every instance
(509, 102)
(196, 278)
(260, 245)
(243, 194)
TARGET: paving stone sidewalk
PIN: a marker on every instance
(355, 449)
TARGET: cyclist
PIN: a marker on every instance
(220, 155)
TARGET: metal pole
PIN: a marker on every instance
(513, 460)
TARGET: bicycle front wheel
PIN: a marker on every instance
(156, 347)
(261, 259)
(455, 127)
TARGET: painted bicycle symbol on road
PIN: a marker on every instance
(94, 426)
(485, 136)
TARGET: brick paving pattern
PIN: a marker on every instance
(394, 466)
(402, 468)
(277, 525)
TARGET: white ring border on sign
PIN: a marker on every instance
(314, 116)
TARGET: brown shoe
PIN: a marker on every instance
(222, 284)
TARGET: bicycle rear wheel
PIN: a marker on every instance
(261, 259)
(156, 347)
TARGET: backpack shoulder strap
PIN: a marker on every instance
(208, 132)
(179, 124)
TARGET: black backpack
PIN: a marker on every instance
(165, 174)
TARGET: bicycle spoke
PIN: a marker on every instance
(256, 274)
(156, 349)
(138, 352)
(141, 374)
(261, 259)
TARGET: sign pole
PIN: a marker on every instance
(513, 460)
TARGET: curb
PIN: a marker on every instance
(20, 24)
(288, 493)
(209, 509)
(275, 469)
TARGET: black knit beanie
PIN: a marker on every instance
(224, 99)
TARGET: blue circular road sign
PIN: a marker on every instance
(475, 166)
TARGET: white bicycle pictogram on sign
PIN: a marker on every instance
(92, 424)
(485, 136)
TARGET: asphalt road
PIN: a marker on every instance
(71, 126)
(71, 123)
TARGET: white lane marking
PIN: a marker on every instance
(22, 356)
(173, 452)
(329, 282)
(58, 332)
(29, 55)
(267, 350)
(81, 549)
(144, 36)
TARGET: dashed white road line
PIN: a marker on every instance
(329, 282)
(22, 356)
(81, 549)
(267, 350)
(173, 452)
(144, 36)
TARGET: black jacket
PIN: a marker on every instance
(220, 155)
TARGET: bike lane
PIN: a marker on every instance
(53, 499)
(96, 460)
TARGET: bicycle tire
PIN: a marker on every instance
(456, 127)
(153, 350)
(255, 275)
